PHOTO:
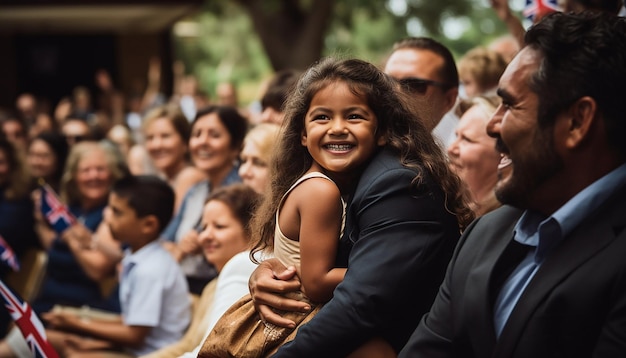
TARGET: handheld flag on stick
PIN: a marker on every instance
(57, 214)
(28, 323)
(539, 8)
(7, 255)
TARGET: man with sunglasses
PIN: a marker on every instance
(427, 70)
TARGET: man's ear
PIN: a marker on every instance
(581, 115)
(149, 224)
(451, 97)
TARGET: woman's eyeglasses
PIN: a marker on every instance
(420, 85)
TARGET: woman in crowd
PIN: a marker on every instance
(16, 210)
(217, 134)
(77, 263)
(473, 154)
(225, 234)
(255, 155)
(166, 132)
(46, 156)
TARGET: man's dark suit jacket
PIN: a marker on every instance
(575, 305)
(399, 239)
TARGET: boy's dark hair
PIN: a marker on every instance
(147, 195)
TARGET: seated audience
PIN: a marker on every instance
(84, 255)
(225, 239)
(216, 138)
(16, 211)
(153, 291)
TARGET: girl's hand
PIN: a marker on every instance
(268, 283)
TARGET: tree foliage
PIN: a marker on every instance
(245, 40)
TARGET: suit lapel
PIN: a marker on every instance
(498, 253)
(595, 233)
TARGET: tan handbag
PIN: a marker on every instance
(240, 332)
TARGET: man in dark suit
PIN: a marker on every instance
(400, 232)
(397, 242)
(545, 275)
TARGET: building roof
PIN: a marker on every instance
(91, 16)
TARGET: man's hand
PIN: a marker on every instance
(268, 283)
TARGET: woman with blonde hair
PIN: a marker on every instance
(258, 146)
(473, 154)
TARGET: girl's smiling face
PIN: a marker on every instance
(340, 130)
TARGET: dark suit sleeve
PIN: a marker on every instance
(612, 339)
(405, 240)
(433, 337)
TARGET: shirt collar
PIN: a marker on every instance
(545, 232)
(132, 258)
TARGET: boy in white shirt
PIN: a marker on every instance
(153, 291)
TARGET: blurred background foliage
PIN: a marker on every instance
(245, 41)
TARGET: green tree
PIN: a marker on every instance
(246, 40)
(293, 31)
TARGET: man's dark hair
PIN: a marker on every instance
(611, 6)
(147, 195)
(278, 88)
(582, 55)
(448, 72)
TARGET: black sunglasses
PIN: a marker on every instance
(420, 85)
(75, 138)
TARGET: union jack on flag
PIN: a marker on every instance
(57, 214)
(28, 323)
(7, 256)
(540, 8)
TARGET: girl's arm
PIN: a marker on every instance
(319, 205)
